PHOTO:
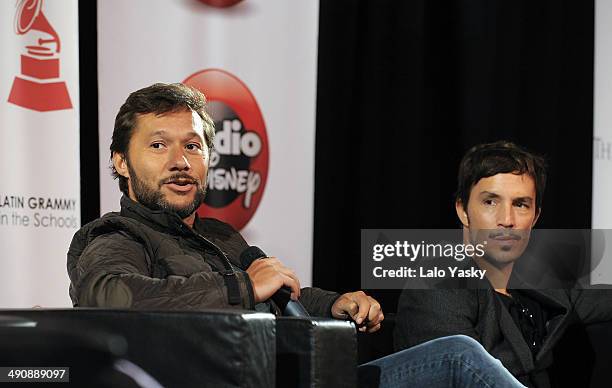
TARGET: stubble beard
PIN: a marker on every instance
(498, 256)
(154, 199)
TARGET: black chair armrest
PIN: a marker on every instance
(315, 353)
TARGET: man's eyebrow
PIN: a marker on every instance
(159, 132)
(489, 194)
(194, 135)
(523, 199)
(188, 136)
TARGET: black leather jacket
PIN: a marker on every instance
(140, 258)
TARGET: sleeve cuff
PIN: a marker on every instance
(331, 302)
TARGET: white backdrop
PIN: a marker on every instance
(602, 142)
(271, 46)
(39, 153)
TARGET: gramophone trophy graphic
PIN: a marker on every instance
(38, 87)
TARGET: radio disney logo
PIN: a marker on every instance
(229, 178)
(238, 166)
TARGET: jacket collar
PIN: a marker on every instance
(161, 220)
(550, 300)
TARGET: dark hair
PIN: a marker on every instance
(501, 157)
(159, 99)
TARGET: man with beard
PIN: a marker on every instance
(498, 202)
(157, 254)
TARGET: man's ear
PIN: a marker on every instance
(462, 213)
(120, 163)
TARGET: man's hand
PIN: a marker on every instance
(269, 275)
(359, 307)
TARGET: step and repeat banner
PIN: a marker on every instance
(255, 60)
(39, 149)
(602, 136)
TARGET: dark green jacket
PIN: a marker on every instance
(140, 258)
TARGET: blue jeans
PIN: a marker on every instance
(454, 361)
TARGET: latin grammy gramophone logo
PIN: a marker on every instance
(39, 86)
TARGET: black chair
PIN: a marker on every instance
(179, 349)
(93, 358)
(203, 349)
(315, 353)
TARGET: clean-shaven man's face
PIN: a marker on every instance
(500, 213)
(167, 162)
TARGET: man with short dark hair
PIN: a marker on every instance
(498, 201)
(156, 252)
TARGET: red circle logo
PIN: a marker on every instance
(239, 162)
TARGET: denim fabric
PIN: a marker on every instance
(454, 361)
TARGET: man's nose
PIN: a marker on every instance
(178, 161)
(505, 216)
